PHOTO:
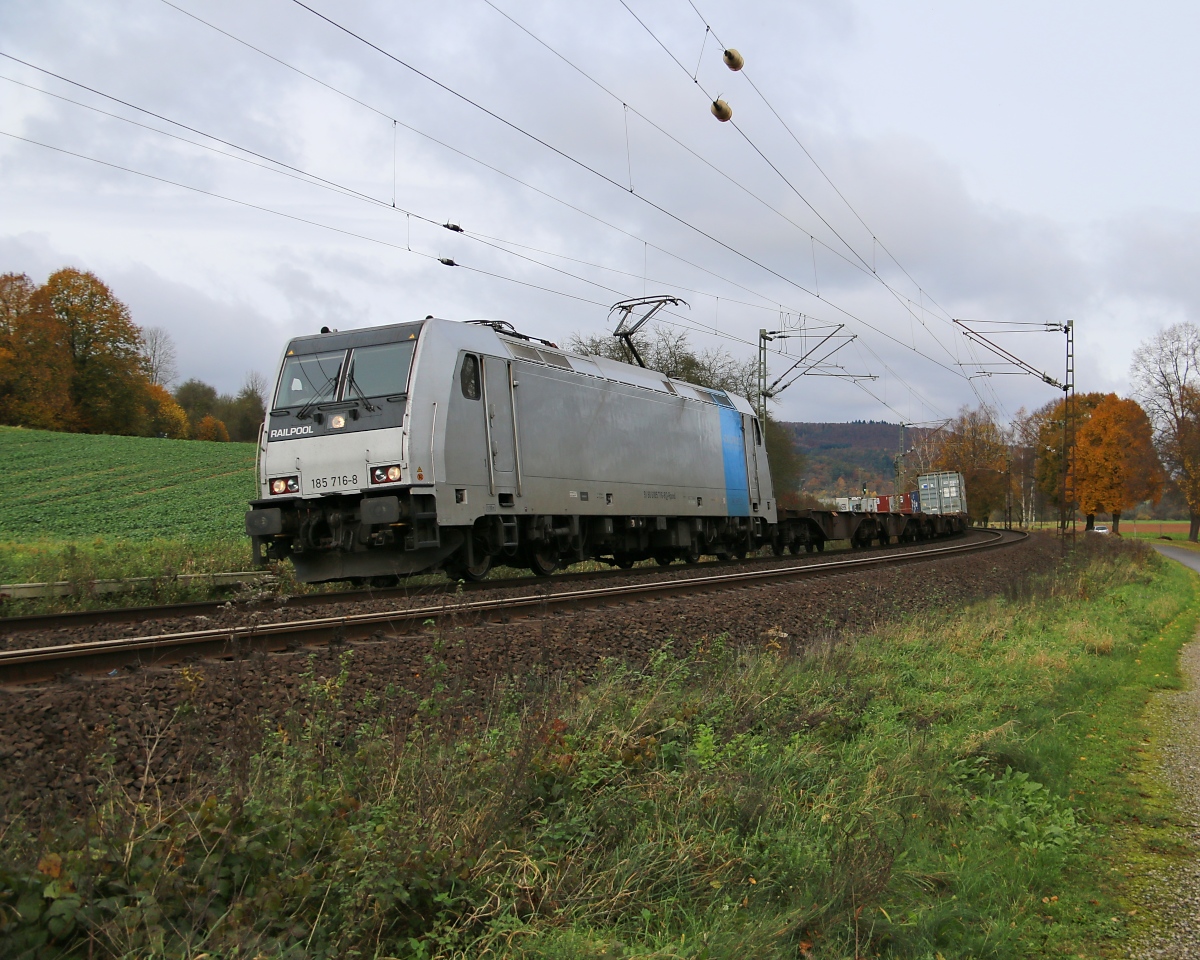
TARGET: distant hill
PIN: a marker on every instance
(840, 457)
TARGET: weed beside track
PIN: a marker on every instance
(943, 784)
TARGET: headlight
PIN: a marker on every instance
(280, 485)
(389, 474)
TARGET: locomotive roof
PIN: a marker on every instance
(532, 350)
(595, 366)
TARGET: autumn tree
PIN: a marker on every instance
(15, 291)
(107, 387)
(210, 428)
(197, 399)
(1116, 465)
(1166, 379)
(1047, 425)
(241, 415)
(670, 353)
(975, 445)
(166, 417)
(245, 414)
(35, 362)
(1024, 432)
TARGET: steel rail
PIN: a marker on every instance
(43, 663)
(140, 614)
(72, 619)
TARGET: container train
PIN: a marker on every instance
(399, 449)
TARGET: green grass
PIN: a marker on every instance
(1173, 540)
(86, 507)
(946, 787)
(70, 487)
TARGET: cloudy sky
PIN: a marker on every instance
(243, 172)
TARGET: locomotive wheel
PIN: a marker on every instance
(623, 560)
(692, 555)
(778, 548)
(663, 559)
(543, 560)
(465, 571)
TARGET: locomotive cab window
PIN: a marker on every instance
(757, 432)
(468, 377)
(379, 371)
(311, 378)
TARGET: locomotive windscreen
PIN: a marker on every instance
(380, 370)
(347, 366)
(309, 379)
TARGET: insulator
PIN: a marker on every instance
(721, 110)
(734, 60)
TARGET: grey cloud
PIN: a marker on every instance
(232, 284)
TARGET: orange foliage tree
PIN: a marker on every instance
(107, 386)
(1116, 466)
(974, 444)
(167, 418)
(1047, 426)
(35, 362)
(210, 428)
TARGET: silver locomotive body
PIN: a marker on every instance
(398, 449)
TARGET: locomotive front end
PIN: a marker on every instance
(335, 485)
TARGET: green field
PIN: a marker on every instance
(71, 486)
(84, 507)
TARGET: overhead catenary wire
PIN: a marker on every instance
(905, 302)
(305, 177)
(783, 177)
(791, 133)
(296, 218)
(575, 208)
(667, 134)
(477, 160)
(608, 179)
(329, 184)
(856, 262)
(294, 174)
(447, 261)
(875, 241)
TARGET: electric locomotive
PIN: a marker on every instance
(397, 449)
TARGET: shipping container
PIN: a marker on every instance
(942, 493)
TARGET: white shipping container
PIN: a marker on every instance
(942, 493)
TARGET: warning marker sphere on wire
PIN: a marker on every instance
(721, 110)
(734, 60)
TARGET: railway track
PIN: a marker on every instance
(45, 663)
(142, 614)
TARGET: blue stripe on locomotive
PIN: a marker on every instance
(733, 450)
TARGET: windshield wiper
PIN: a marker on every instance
(353, 385)
(317, 397)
